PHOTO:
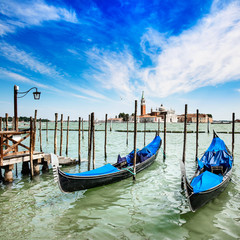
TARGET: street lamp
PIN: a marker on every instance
(36, 96)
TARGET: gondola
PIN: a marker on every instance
(212, 176)
(123, 168)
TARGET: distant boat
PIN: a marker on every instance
(70, 182)
(212, 175)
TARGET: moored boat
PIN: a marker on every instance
(122, 169)
(212, 176)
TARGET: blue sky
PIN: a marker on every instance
(98, 56)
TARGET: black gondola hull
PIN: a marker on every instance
(75, 183)
(197, 200)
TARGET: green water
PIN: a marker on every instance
(152, 207)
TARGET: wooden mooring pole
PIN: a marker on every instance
(67, 136)
(127, 133)
(208, 126)
(40, 134)
(111, 126)
(6, 120)
(1, 148)
(55, 134)
(158, 127)
(31, 145)
(135, 142)
(165, 136)
(61, 136)
(47, 131)
(197, 129)
(233, 132)
(79, 140)
(145, 123)
(185, 135)
(105, 142)
(82, 130)
(35, 129)
(89, 142)
(93, 139)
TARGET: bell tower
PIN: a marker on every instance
(143, 105)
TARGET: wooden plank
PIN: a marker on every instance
(19, 159)
(13, 132)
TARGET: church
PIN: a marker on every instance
(156, 115)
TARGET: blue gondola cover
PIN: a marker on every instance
(106, 169)
(205, 181)
(216, 155)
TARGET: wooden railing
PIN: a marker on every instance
(8, 136)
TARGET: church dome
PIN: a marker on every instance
(162, 108)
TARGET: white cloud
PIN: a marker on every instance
(88, 92)
(25, 14)
(20, 78)
(116, 71)
(21, 57)
(207, 54)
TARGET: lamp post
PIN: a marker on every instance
(36, 96)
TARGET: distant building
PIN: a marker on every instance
(155, 115)
(192, 118)
(114, 120)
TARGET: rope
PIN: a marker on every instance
(163, 153)
(129, 170)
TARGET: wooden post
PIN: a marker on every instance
(15, 108)
(185, 134)
(233, 132)
(35, 129)
(47, 131)
(61, 136)
(79, 141)
(158, 127)
(165, 136)
(145, 121)
(1, 149)
(55, 134)
(31, 145)
(111, 126)
(197, 129)
(6, 120)
(93, 139)
(127, 133)
(105, 142)
(135, 142)
(208, 126)
(89, 143)
(40, 134)
(67, 136)
(82, 130)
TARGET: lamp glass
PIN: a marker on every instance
(36, 95)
